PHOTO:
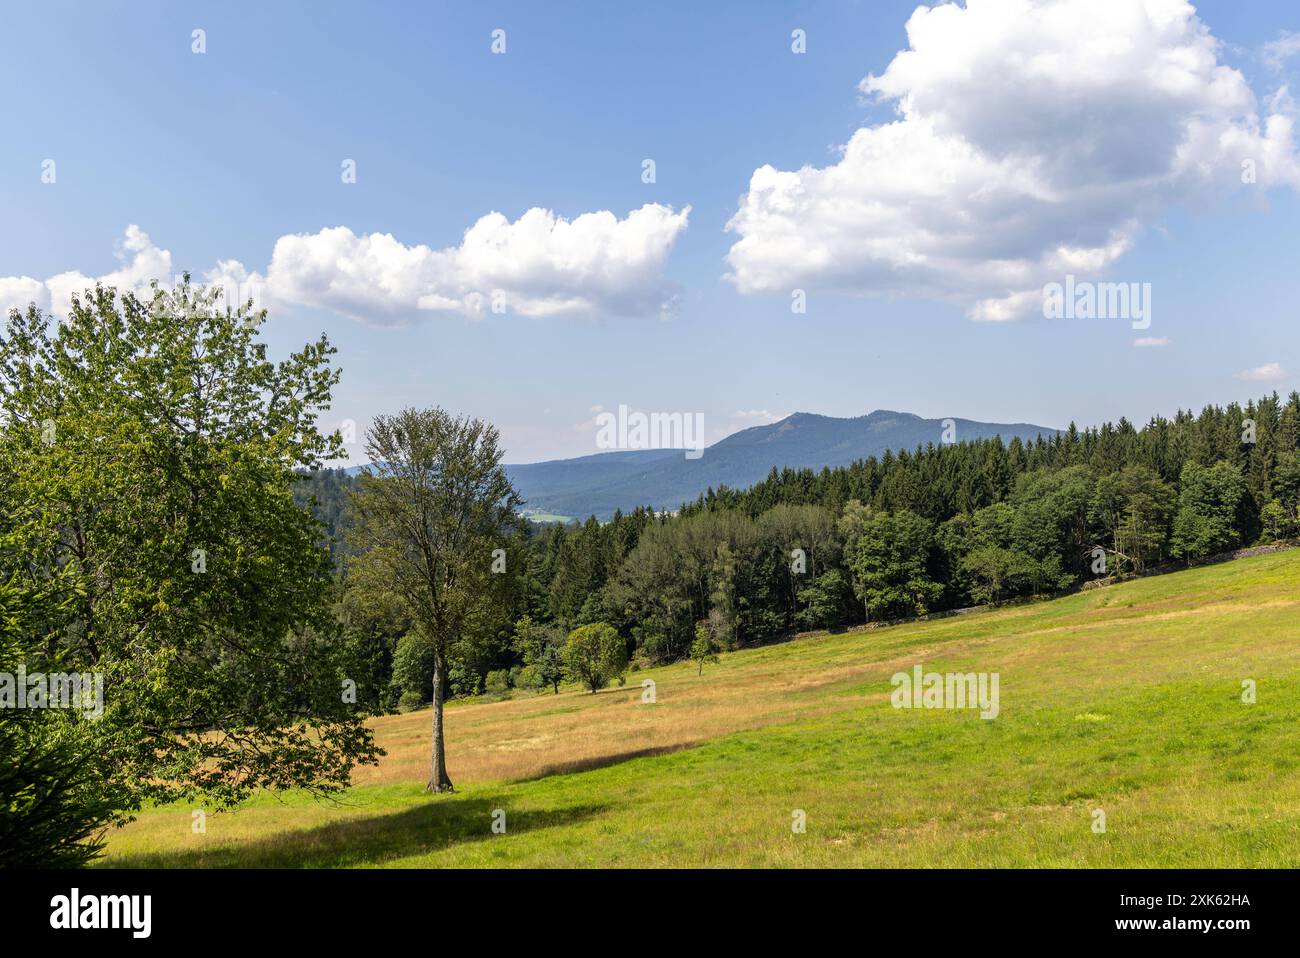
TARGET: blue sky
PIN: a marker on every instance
(218, 156)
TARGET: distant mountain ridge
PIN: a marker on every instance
(601, 483)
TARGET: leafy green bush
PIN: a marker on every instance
(1277, 522)
(412, 699)
(595, 654)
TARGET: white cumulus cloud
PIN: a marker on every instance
(539, 265)
(1033, 138)
(140, 262)
(16, 292)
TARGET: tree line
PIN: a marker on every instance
(910, 533)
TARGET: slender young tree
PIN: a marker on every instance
(702, 649)
(431, 523)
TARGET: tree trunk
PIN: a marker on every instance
(439, 781)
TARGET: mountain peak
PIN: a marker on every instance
(664, 479)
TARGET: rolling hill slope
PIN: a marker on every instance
(1126, 700)
(664, 478)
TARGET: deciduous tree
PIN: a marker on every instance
(431, 521)
(595, 655)
(148, 465)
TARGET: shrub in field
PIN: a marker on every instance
(595, 655)
(412, 699)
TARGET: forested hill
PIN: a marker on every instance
(663, 479)
(939, 527)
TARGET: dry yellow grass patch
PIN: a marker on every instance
(543, 734)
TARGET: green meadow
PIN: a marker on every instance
(1126, 700)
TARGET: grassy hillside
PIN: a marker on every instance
(1126, 699)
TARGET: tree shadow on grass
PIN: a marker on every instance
(603, 761)
(431, 826)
